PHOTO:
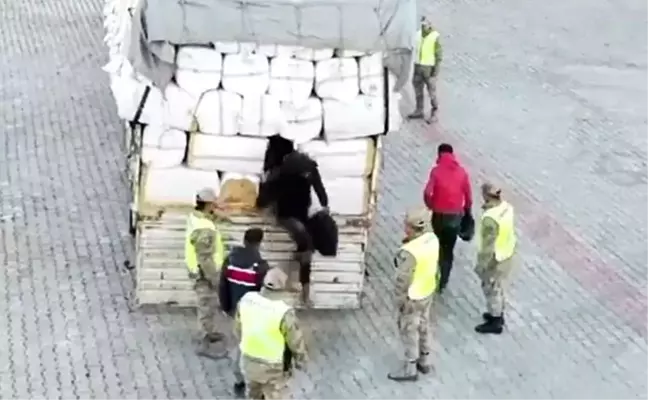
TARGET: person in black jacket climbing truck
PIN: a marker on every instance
(290, 175)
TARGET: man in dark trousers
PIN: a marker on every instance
(287, 186)
(243, 271)
(449, 196)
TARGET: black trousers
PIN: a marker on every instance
(446, 228)
(299, 234)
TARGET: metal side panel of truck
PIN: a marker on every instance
(336, 282)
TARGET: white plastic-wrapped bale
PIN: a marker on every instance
(199, 69)
(163, 147)
(226, 153)
(337, 78)
(342, 158)
(246, 73)
(218, 112)
(261, 116)
(291, 80)
(303, 122)
(361, 116)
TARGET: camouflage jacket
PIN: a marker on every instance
(488, 231)
(290, 329)
(204, 242)
(405, 264)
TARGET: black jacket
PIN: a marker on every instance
(288, 187)
(243, 271)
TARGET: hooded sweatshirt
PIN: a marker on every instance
(448, 188)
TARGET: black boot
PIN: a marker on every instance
(488, 316)
(239, 389)
(494, 326)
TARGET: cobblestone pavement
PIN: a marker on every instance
(549, 100)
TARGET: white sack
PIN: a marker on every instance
(260, 116)
(218, 113)
(303, 123)
(179, 107)
(303, 53)
(276, 50)
(233, 47)
(337, 78)
(227, 153)
(347, 158)
(352, 53)
(363, 116)
(291, 80)
(161, 147)
(128, 94)
(347, 196)
(247, 74)
(197, 82)
(177, 186)
(199, 58)
(371, 75)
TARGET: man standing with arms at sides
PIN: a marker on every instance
(449, 196)
(496, 243)
(429, 54)
(416, 273)
(243, 271)
(204, 254)
(266, 326)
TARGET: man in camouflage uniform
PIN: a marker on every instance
(416, 281)
(429, 54)
(496, 247)
(266, 326)
(204, 252)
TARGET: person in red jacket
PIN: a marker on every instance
(449, 196)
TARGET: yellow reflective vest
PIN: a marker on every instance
(426, 48)
(197, 221)
(425, 250)
(503, 214)
(260, 320)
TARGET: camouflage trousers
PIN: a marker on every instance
(207, 307)
(424, 78)
(414, 327)
(264, 381)
(493, 282)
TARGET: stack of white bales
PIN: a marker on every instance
(229, 98)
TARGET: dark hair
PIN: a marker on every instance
(278, 147)
(445, 148)
(200, 205)
(253, 236)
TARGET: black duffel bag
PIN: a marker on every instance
(324, 232)
(467, 227)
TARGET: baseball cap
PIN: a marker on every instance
(206, 194)
(275, 279)
(417, 218)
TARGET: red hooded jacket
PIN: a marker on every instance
(448, 188)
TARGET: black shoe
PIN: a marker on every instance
(239, 389)
(493, 326)
(488, 317)
(415, 115)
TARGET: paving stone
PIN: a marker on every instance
(539, 99)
